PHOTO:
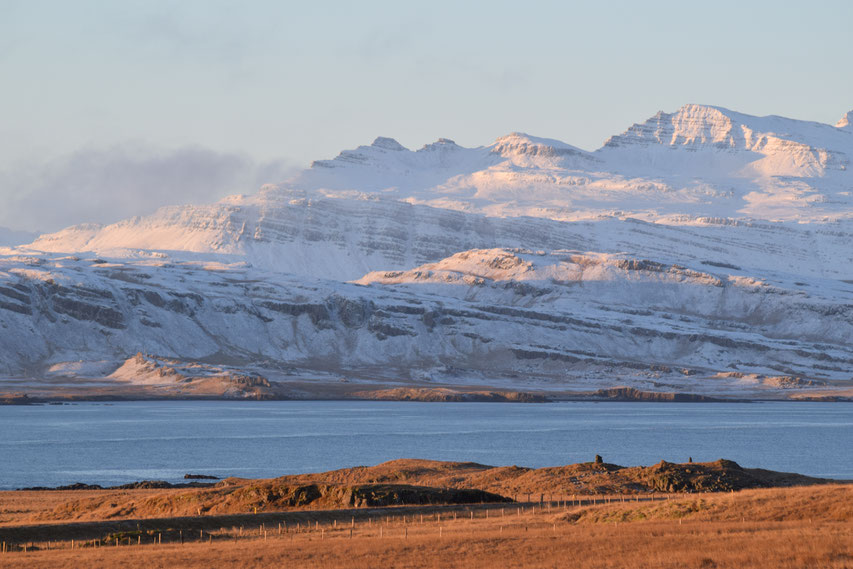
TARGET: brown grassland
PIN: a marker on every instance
(386, 484)
(802, 526)
(805, 527)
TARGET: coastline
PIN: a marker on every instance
(426, 397)
(18, 391)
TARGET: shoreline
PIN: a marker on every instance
(421, 395)
(60, 401)
(684, 477)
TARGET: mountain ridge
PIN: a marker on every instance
(701, 240)
(524, 176)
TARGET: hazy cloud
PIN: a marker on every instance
(106, 185)
(10, 238)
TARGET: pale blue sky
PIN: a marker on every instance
(103, 102)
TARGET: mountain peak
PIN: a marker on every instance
(846, 121)
(441, 144)
(518, 143)
(690, 125)
(523, 137)
(703, 109)
(387, 143)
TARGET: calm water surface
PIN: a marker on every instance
(116, 443)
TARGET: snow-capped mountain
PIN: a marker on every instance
(512, 317)
(699, 250)
(699, 161)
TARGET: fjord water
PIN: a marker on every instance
(116, 443)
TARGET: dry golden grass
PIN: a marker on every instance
(809, 504)
(649, 544)
(808, 527)
(238, 496)
(21, 507)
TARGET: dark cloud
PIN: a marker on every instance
(106, 185)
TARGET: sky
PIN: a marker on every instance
(114, 108)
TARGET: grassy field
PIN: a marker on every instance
(394, 483)
(810, 526)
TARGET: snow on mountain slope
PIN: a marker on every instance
(776, 168)
(343, 238)
(700, 160)
(698, 167)
(772, 146)
(701, 240)
(561, 320)
(607, 280)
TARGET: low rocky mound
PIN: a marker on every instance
(719, 476)
(418, 482)
(141, 485)
(582, 478)
(235, 496)
(174, 377)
